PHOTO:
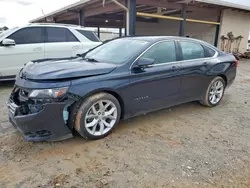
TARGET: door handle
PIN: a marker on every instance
(37, 49)
(75, 47)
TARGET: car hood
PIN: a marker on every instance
(64, 68)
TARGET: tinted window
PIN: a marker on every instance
(116, 51)
(192, 50)
(208, 51)
(163, 52)
(60, 35)
(89, 35)
(29, 35)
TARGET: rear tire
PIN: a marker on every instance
(214, 92)
(97, 116)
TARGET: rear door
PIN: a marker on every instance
(197, 59)
(157, 86)
(60, 42)
(29, 46)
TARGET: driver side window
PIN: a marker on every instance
(29, 35)
(162, 52)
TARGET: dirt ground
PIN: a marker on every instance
(185, 146)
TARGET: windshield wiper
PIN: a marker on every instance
(90, 59)
(82, 55)
(85, 53)
(87, 59)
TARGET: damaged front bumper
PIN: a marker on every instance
(39, 120)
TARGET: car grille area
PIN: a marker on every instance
(20, 104)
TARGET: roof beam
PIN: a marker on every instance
(120, 5)
(170, 11)
(111, 7)
(103, 24)
(184, 1)
(119, 18)
(66, 17)
(176, 18)
(161, 3)
(164, 12)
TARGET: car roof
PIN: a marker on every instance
(153, 39)
(160, 38)
(57, 25)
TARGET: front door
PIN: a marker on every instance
(157, 86)
(29, 46)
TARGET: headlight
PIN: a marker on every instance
(49, 93)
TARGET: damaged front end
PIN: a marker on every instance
(38, 116)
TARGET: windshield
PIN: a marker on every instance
(117, 51)
(7, 32)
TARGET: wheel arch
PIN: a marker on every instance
(111, 92)
(224, 78)
(75, 106)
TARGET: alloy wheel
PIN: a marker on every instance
(101, 117)
(216, 92)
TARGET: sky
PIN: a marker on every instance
(19, 12)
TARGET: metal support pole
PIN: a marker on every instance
(128, 17)
(125, 18)
(98, 32)
(217, 32)
(120, 32)
(81, 18)
(216, 40)
(126, 8)
(132, 17)
(183, 22)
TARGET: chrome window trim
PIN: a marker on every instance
(168, 40)
(215, 54)
(174, 62)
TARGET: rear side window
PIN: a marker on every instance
(89, 35)
(30, 35)
(192, 50)
(162, 52)
(208, 51)
(55, 34)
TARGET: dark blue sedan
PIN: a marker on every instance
(117, 80)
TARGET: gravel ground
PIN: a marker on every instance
(185, 146)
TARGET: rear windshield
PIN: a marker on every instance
(89, 35)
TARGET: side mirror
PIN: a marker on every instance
(145, 62)
(8, 42)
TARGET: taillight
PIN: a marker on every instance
(236, 63)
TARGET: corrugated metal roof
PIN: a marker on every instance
(240, 4)
(61, 10)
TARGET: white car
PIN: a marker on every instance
(40, 41)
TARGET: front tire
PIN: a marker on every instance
(97, 116)
(215, 92)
